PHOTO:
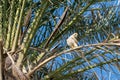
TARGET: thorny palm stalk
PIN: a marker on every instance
(32, 30)
(11, 19)
(15, 43)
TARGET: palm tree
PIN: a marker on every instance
(33, 39)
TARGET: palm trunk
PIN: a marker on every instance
(1, 55)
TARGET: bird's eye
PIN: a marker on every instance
(76, 34)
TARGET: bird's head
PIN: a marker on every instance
(75, 35)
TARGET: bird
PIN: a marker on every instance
(72, 41)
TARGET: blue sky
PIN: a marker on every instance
(109, 75)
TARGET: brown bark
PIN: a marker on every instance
(1, 61)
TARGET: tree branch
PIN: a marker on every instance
(66, 51)
(57, 27)
(87, 68)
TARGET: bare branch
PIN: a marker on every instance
(56, 27)
(66, 51)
